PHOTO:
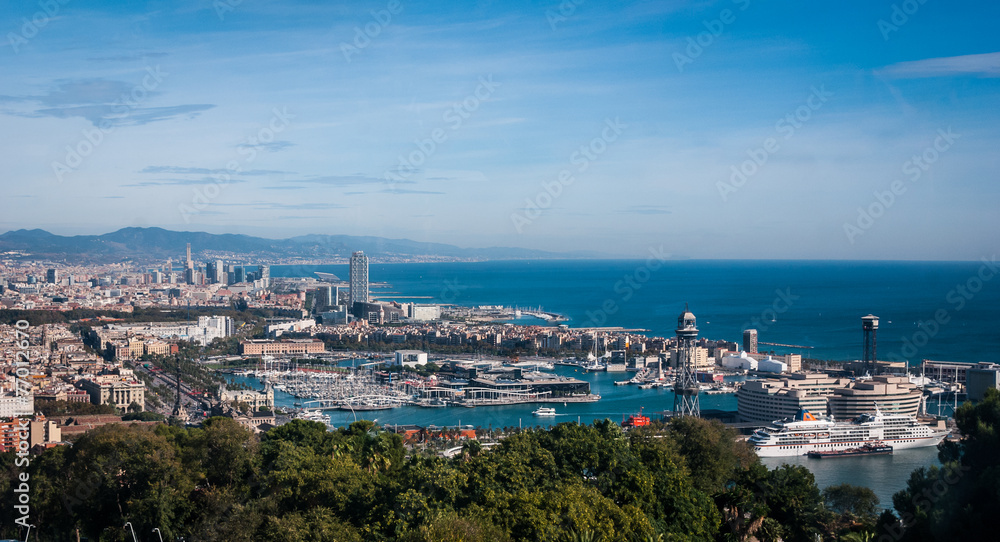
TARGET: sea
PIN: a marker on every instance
(927, 310)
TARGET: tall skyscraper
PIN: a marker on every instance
(188, 264)
(869, 325)
(213, 272)
(324, 296)
(264, 274)
(52, 276)
(239, 274)
(750, 341)
(359, 278)
(686, 386)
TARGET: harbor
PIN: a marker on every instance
(885, 474)
(467, 384)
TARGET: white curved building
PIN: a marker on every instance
(764, 401)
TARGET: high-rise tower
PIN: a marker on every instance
(359, 278)
(264, 274)
(869, 324)
(686, 385)
(750, 341)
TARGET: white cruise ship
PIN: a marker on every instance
(806, 433)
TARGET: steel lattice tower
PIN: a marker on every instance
(869, 324)
(686, 385)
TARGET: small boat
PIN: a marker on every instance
(545, 411)
(636, 420)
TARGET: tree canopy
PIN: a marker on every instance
(690, 479)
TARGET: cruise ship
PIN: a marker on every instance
(805, 433)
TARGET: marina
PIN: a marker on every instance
(371, 387)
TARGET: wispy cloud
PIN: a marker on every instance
(273, 146)
(181, 182)
(181, 170)
(271, 206)
(405, 191)
(347, 180)
(127, 58)
(983, 65)
(102, 102)
(645, 210)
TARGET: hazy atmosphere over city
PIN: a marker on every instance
(726, 129)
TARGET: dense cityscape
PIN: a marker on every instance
(89, 347)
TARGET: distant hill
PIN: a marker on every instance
(142, 244)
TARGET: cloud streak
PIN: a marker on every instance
(982, 65)
(102, 102)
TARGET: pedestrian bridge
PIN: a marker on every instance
(452, 452)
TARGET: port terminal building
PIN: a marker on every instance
(980, 378)
(764, 401)
(262, 347)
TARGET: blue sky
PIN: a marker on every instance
(575, 126)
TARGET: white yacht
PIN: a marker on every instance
(545, 411)
(315, 415)
(806, 433)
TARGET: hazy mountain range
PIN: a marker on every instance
(140, 244)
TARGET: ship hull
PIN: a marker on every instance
(789, 450)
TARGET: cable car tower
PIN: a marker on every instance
(686, 386)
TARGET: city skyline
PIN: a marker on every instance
(727, 129)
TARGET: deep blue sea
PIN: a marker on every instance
(811, 303)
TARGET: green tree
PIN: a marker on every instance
(711, 451)
(794, 502)
(853, 508)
